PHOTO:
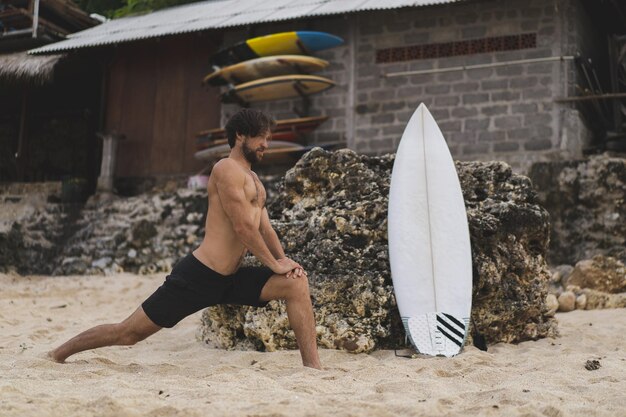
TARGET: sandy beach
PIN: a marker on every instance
(173, 374)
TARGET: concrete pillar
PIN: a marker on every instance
(107, 169)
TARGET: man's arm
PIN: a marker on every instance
(230, 182)
(270, 237)
(273, 243)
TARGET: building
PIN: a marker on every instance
(515, 61)
(49, 105)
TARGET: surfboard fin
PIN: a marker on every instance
(411, 356)
(479, 339)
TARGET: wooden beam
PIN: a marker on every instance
(23, 13)
(608, 96)
(69, 12)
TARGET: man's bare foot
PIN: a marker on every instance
(50, 355)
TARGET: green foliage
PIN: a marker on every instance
(102, 7)
(145, 6)
(121, 8)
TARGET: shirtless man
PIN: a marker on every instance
(237, 222)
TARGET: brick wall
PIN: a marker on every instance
(504, 113)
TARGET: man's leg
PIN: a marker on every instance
(295, 291)
(132, 330)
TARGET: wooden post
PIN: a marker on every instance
(107, 169)
(21, 155)
(613, 67)
(35, 17)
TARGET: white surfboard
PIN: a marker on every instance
(429, 244)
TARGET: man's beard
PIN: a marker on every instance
(251, 154)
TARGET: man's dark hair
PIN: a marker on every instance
(248, 122)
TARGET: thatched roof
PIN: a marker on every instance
(19, 67)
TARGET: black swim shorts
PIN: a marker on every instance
(192, 286)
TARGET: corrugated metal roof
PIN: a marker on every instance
(214, 15)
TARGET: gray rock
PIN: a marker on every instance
(602, 273)
(585, 199)
(562, 273)
(102, 263)
(552, 303)
(599, 299)
(142, 233)
(133, 232)
(29, 241)
(567, 301)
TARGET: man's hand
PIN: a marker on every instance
(289, 268)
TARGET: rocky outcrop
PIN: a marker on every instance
(31, 227)
(109, 234)
(331, 216)
(142, 234)
(586, 200)
(601, 273)
(587, 204)
(593, 284)
(146, 233)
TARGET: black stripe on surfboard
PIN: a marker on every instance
(455, 321)
(443, 332)
(449, 327)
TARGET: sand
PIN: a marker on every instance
(173, 374)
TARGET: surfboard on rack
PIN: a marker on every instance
(264, 67)
(288, 130)
(284, 43)
(429, 243)
(219, 151)
(277, 88)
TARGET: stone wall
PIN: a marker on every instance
(31, 227)
(145, 233)
(586, 200)
(504, 113)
